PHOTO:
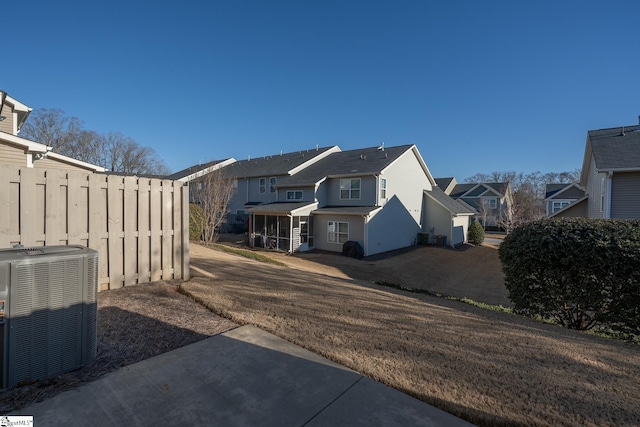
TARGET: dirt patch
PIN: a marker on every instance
(487, 367)
(134, 323)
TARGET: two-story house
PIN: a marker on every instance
(560, 197)
(491, 200)
(611, 173)
(22, 152)
(374, 196)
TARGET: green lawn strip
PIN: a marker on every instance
(247, 254)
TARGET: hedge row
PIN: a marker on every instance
(582, 272)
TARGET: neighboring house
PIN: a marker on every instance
(22, 152)
(448, 218)
(611, 173)
(491, 200)
(373, 196)
(560, 197)
(192, 173)
(255, 180)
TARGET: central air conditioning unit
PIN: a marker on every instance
(48, 311)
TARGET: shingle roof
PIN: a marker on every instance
(551, 189)
(363, 161)
(460, 189)
(453, 206)
(616, 148)
(279, 164)
(191, 170)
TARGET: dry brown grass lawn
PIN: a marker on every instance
(487, 367)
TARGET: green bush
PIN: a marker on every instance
(476, 233)
(196, 222)
(580, 272)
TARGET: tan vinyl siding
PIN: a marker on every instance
(10, 155)
(625, 195)
(7, 124)
(594, 182)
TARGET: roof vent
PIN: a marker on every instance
(249, 158)
(381, 147)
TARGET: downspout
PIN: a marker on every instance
(365, 234)
(290, 216)
(607, 212)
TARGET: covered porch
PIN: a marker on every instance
(284, 227)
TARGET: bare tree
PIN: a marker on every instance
(67, 136)
(213, 192)
(51, 127)
(123, 154)
(528, 192)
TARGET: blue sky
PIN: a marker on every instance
(478, 86)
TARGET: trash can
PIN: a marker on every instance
(441, 240)
(423, 238)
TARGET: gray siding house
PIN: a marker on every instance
(491, 200)
(559, 199)
(374, 196)
(611, 173)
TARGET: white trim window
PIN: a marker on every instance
(272, 184)
(337, 232)
(262, 185)
(383, 188)
(350, 189)
(490, 202)
(294, 195)
(559, 205)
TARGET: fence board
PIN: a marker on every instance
(167, 223)
(138, 226)
(144, 247)
(28, 212)
(130, 230)
(6, 176)
(53, 208)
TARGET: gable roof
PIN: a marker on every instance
(454, 206)
(196, 171)
(44, 151)
(21, 110)
(279, 164)
(358, 162)
(556, 189)
(612, 149)
(478, 189)
(446, 184)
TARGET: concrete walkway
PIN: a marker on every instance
(244, 377)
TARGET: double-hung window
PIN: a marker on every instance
(294, 195)
(272, 184)
(350, 189)
(559, 206)
(263, 185)
(383, 188)
(337, 232)
(490, 202)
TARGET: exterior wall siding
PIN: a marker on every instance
(406, 182)
(53, 164)
(356, 231)
(594, 182)
(367, 192)
(7, 124)
(625, 195)
(10, 155)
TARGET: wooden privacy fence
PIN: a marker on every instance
(139, 226)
